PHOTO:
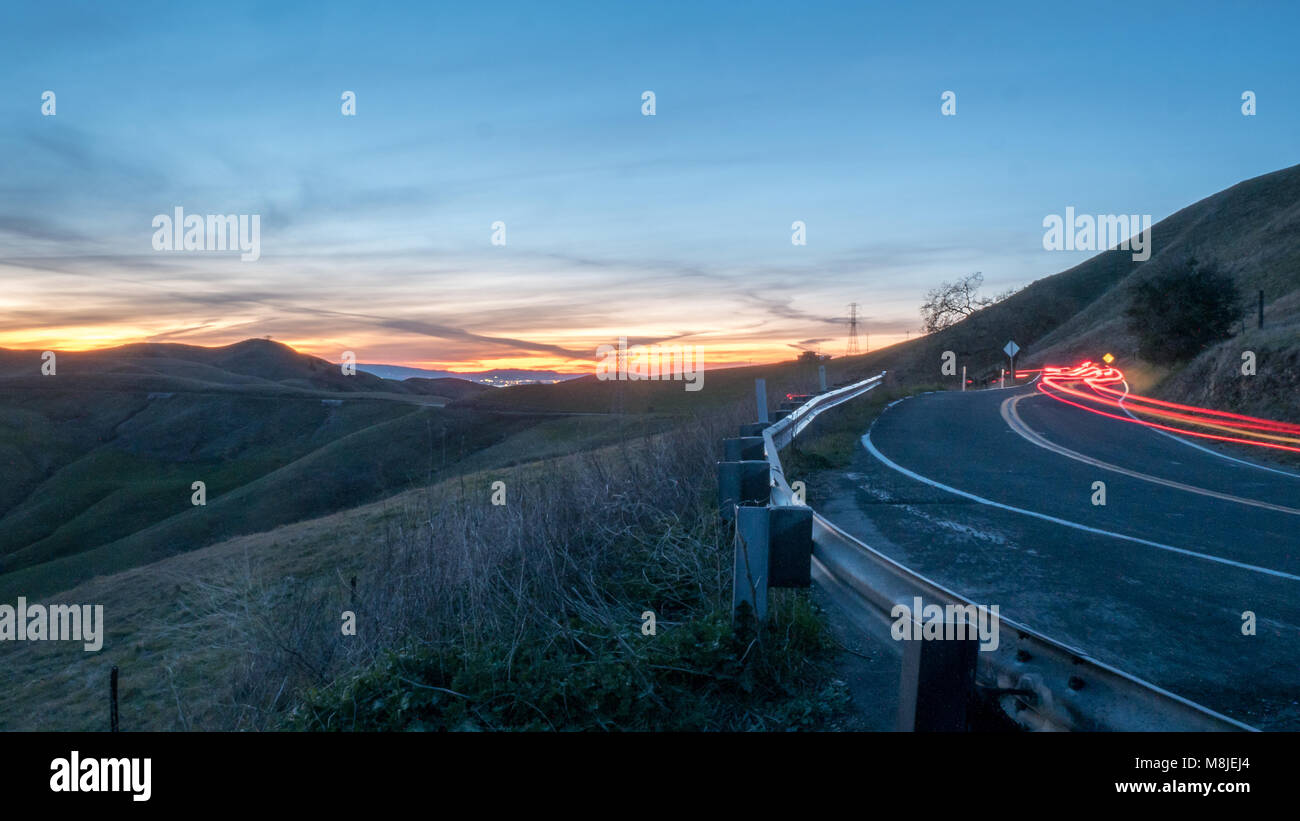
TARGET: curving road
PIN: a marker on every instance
(992, 493)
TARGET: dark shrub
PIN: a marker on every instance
(1181, 312)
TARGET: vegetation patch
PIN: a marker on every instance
(1181, 312)
(699, 673)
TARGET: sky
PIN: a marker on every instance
(376, 229)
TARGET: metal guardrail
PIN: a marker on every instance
(1040, 683)
(782, 432)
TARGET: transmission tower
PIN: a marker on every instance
(853, 330)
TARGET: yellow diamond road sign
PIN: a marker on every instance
(1108, 359)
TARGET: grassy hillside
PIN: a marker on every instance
(529, 612)
(225, 616)
(100, 480)
(1251, 231)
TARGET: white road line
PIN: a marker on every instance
(1210, 451)
(871, 448)
(1012, 417)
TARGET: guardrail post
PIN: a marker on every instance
(790, 546)
(821, 378)
(750, 577)
(743, 449)
(938, 681)
(760, 393)
(743, 482)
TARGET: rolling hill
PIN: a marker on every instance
(99, 460)
(496, 376)
(1251, 231)
(254, 366)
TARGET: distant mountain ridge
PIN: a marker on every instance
(254, 366)
(498, 376)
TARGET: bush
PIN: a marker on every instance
(1181, 312)
(700, 674)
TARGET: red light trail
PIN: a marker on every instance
(1099, 396)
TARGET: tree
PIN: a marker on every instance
(952, 302)
(1182, 311)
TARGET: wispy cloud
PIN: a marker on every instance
(376, 228)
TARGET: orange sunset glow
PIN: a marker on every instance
(515, 322)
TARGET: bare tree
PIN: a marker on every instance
(952, 302)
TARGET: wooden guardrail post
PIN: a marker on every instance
(773, 548)
(750, 576)
(937, 684)
(741, 483)
(790, 546)
(743, 449)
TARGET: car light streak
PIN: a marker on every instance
(1090, 384)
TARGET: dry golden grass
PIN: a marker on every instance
(222, 637)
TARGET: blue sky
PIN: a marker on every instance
(375, 228)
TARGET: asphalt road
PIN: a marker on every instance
(992, 493)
